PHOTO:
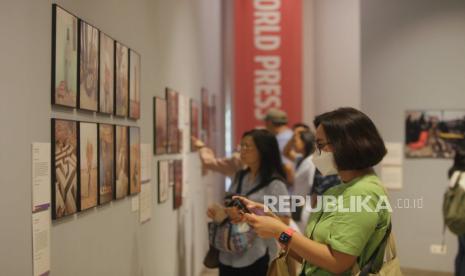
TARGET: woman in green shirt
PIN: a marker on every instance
(348, 144)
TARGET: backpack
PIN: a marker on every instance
(453, 208)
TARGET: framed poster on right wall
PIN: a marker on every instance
(427, 132)
(134, 161)
(160, 135)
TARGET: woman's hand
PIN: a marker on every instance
(265, 226)
(235, 216)
(211, 213)
(251, 205)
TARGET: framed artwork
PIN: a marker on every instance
(88, 67)
(107, 78)
(134, 160)
(171, 173)
(64, 57)
(425, 132)
(194, 121)
(172, 104)
(160, 126)
(121, 79)
(64, 168)
(121, 162)
(163, 180)
(134, 84)
(205, 116)
(106, 163)
(88, 156)
(177, 184)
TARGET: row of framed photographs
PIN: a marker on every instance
(170, 175)
(167, 132)
(92, 71)
(92, 164)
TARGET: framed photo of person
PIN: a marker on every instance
(121, 162)
(88, 164)
(64, 57)
(65, 167)
(106, 163)
(134, 84)
(163, 180)
(160, 126)
(121, 80)
(107, 75)
(134, 161)
(88, 67)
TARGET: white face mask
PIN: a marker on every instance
(325, 163)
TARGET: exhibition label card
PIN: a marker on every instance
(41, 176)
(394, 154)
(145, 201)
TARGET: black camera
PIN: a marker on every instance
(237, 203)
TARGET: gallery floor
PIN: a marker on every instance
(405, 271)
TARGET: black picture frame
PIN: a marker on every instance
(121, 188)
(135, 71)
(178, 184)
(65, 168)
(160, 126)
(88, 73)
(106, 175)
(172, 105)
(106, 89)
(194, 121)
(121, 85)
(65, 61)
(88, 196)
(134, 161)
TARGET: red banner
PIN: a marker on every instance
(268, 61)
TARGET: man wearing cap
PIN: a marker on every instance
(275, 122)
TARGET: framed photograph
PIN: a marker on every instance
(172, 104)
(134, 160)
(106, 163)
(107, 77)
(64, 168)
(134, 84)
(88, 156)
(205, 117)
(88, 67)
(121, 79)
(194, 121)
(426, 132)
(121, 161)
(163, 180)
(160, 126)
(64, 57)
(177, 184)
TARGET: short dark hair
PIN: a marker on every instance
(270, 156)
(305, 126)
(356, 141)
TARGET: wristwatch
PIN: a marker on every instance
(286, 237)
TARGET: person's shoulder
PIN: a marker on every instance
(370, 184)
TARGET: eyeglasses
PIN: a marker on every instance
(245, 147)
(321, 146)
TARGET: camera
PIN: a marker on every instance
(237, 203)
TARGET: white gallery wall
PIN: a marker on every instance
(413, 57)
(180, 45)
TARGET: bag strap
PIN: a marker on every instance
(368, 267)
(240, 178)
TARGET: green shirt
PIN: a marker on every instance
(354, 233)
